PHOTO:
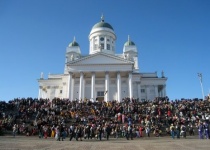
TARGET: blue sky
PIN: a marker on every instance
(172, 36)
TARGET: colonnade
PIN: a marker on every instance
(93, 90)
(158, 91)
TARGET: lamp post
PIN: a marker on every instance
(200, 78)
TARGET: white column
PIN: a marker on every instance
(106, 96)
(65, 90)
(49, 91)
(130, 81)
(93, 43)
(40, 92)
(69, 86)
(156, 91)
(119, 87)
(72, 90)
(160, 93)
(46, 93)
(148, 93)
(43, 92)
(164, 90)
(83, 90)
(98, 43)
(105, 41)
(93, 86)
(139, 90)
(80, 85)
(52, 92)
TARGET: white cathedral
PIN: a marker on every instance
(102, 75)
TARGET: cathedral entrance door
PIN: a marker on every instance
(100, 99)
(100, 96)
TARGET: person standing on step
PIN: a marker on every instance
(200, 130)
(71, 132)
(14, 130)
(206, 129)
(172, 130)
(108, 131)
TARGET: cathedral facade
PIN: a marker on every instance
(103, 74)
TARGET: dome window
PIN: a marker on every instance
(101, 39)
(102, 46)
(108, 46)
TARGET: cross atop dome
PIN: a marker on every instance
(102, 18)
(73, 43)
(129, 42)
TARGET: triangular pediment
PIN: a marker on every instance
(100, 58)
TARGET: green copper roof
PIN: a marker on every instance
(73, 44)
(102, 24)
(129, 43)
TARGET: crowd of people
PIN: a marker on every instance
(64, 119)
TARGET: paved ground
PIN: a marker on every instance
(154, 143)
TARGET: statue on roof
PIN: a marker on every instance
(42, 75)
(162, 74)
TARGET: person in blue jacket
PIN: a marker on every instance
(200, 130)
(206, 129)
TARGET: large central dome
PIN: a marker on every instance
(102, 24)
(102, 38)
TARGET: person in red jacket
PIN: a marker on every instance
(141, 129)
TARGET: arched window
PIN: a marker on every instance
(108, 46)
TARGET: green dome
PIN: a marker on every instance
(74, 43)
(129, 43)
(102, 24)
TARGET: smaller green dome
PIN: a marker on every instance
(129, 43)
(74, 43)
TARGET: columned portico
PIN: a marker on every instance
(106, 92)
(118, 87)
(130, 81)
(93, 86)
(81, 85)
